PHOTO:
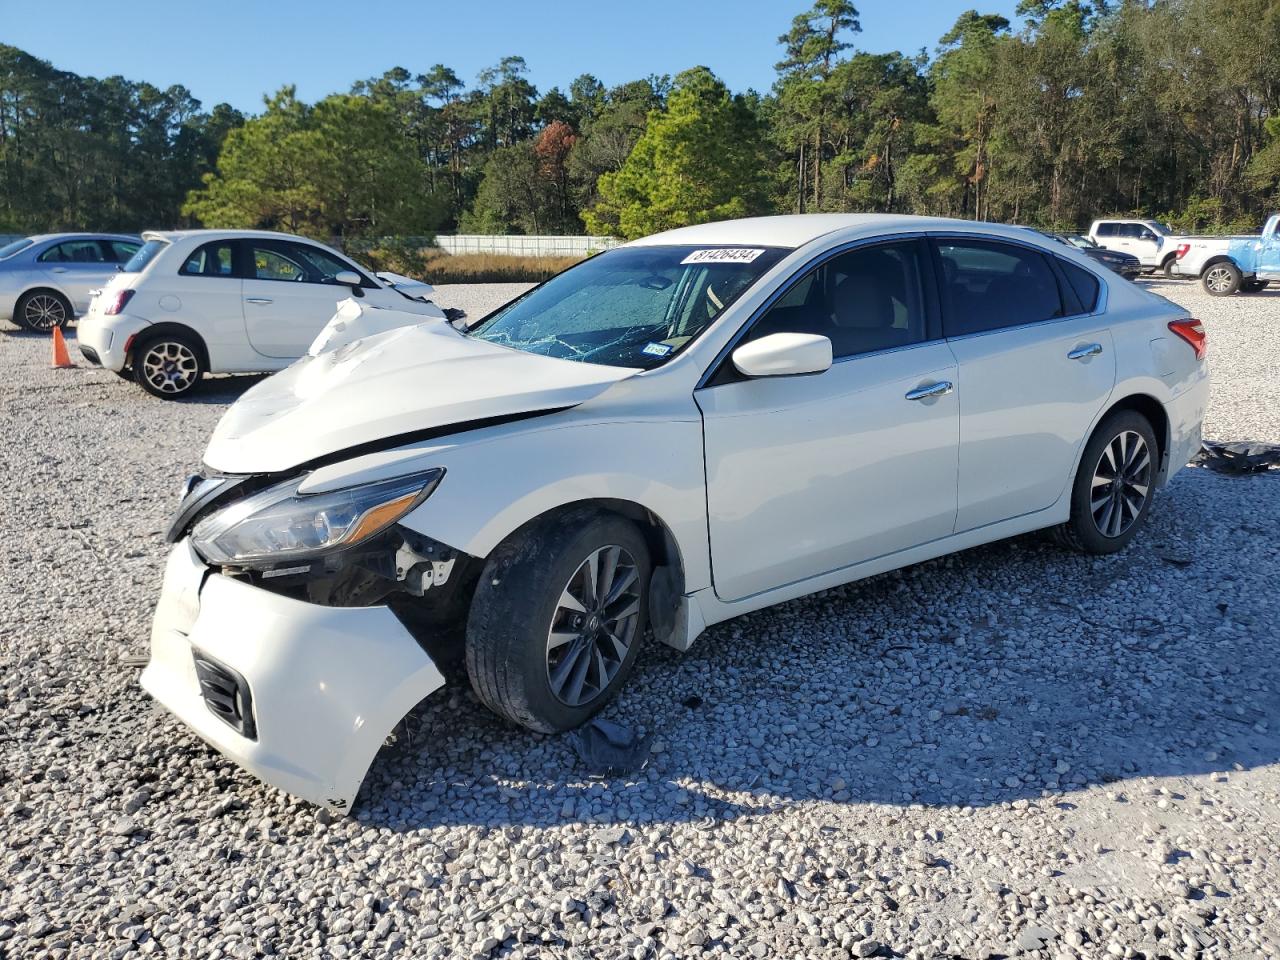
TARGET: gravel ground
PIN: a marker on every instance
(1007, 751)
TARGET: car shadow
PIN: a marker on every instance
(1014, 671)
(224, 388)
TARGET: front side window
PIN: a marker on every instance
(864, 300)
(74, 251)
(211, 260)
(629, 307)
(320, 265)
(988, 285)
(270, 263)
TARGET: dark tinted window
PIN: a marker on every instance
(1083, 283)
(867, 299)
(1108, 229)
(74, 251)
(989, 285)
(215, 259)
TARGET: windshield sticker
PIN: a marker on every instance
(722, 255)
(657, 349)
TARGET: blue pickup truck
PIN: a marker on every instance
(1227, 265)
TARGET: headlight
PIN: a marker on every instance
(280, 523)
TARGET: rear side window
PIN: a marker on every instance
(1108, 229)
(17, 246)
(215, 259)
(74, 251)
(1083, 283)
(121, 251)
(148, 252)
(988, 285)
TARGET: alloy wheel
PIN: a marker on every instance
(170, 367)
(594, 626)
(1121, 484)
(1218, 280)
(44, 312)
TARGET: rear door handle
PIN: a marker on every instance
(939, 389)
(1083, 353)
(258, 300)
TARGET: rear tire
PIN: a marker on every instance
(532, 655)
(40, 311)
(1115, 481)
(1221, 279)
(1167, 268)
(168, 365)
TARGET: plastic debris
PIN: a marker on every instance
(1239, 457)
(611, 749)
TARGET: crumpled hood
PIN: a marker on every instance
(417, 378)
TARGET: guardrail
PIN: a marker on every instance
(524, 245)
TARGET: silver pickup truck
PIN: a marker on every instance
(1227, 265)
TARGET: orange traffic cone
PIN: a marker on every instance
(60, 357)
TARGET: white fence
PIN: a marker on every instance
(524, 246)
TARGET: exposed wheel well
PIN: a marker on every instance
(53, 290)
(1214, 261)
(1154, 411)
(160, 329)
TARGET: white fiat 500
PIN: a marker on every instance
(675, 432)
(226, 301)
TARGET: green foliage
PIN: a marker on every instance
(339, 168)
(697, 160)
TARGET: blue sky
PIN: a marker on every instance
(235, 51)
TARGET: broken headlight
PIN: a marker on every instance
(279, 523)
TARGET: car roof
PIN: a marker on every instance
(173, 236)
(796, 230)
(42, 237)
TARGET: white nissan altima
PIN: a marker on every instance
(675, 432)
(192, 302)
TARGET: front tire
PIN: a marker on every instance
(42, 310)
(168, 365)
(557, 619)
(1221, 279)
(1114, 484)
(1167, 268)
(1253, 286)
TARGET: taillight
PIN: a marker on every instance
(1192, 331)
(1182, 250)
(118, 302)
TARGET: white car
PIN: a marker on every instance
(226, 301)
(1155, 246)
(48, 279)
(672, 433)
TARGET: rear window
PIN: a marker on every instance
(1084, 283)
(17, 246)
(149, 251)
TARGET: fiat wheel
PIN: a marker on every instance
(168, 366)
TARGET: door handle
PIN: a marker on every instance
(58, 270)
(939, 389)
(258, 300)
(1083, 353)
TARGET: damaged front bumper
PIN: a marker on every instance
(300, 695)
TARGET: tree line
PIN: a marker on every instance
(1166, 108)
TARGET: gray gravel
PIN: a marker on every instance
(1012, 751)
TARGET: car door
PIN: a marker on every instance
(289, 295)
(76, 267)
(1144, 244)
(810, 474)
(1036, 366)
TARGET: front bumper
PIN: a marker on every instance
(326, 684)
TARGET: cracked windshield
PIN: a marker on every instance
(630, 307)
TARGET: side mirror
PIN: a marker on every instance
(349, 277)
(784, 355)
